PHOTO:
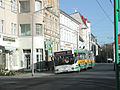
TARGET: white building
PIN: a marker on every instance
(86, 34)
(93, 45)
(84, 31)
(8, 34)
(27, 8)
(17, 28)
(69, 32)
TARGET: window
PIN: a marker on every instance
(25, 29)
(39, 54)
(38, 29)
(38, 5)
(13, 28)
(13, 5)
(24, 6)
(1, 3)
(2, 26)
(39, 58)
(56, 23)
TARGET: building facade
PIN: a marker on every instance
(86, 34)
(93, 44)
(69, 32)
(31, 33)
(51, 28)
(84, 31)
(25, 28)
(8, 34)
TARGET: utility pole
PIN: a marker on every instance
(116, 44)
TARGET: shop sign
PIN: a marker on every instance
(67, 44)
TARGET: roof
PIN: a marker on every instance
(85, 19)
(62, 12)
(84, 22)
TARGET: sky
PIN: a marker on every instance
(102, 25)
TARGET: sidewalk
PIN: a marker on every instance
(28, 75)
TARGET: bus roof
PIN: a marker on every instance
(82, 51)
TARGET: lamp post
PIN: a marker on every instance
(33, 35)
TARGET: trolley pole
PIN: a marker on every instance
(116, 44)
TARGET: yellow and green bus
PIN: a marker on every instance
(84, 58)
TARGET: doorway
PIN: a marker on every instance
(27, 61)
(27, 58)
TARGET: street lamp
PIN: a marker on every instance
(33, 34)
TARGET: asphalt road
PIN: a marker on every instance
(102, 77)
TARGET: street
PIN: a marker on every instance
(102, 77)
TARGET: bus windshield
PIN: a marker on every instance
(63, 58)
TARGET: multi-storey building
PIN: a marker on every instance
(51, 28)
(8, 34)
(31, 33)
(25, 28)
(93, 44)
(69, 32)
(84, 31)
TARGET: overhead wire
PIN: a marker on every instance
(111, 3)
(105, 12)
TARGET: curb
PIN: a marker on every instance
(27, 76)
